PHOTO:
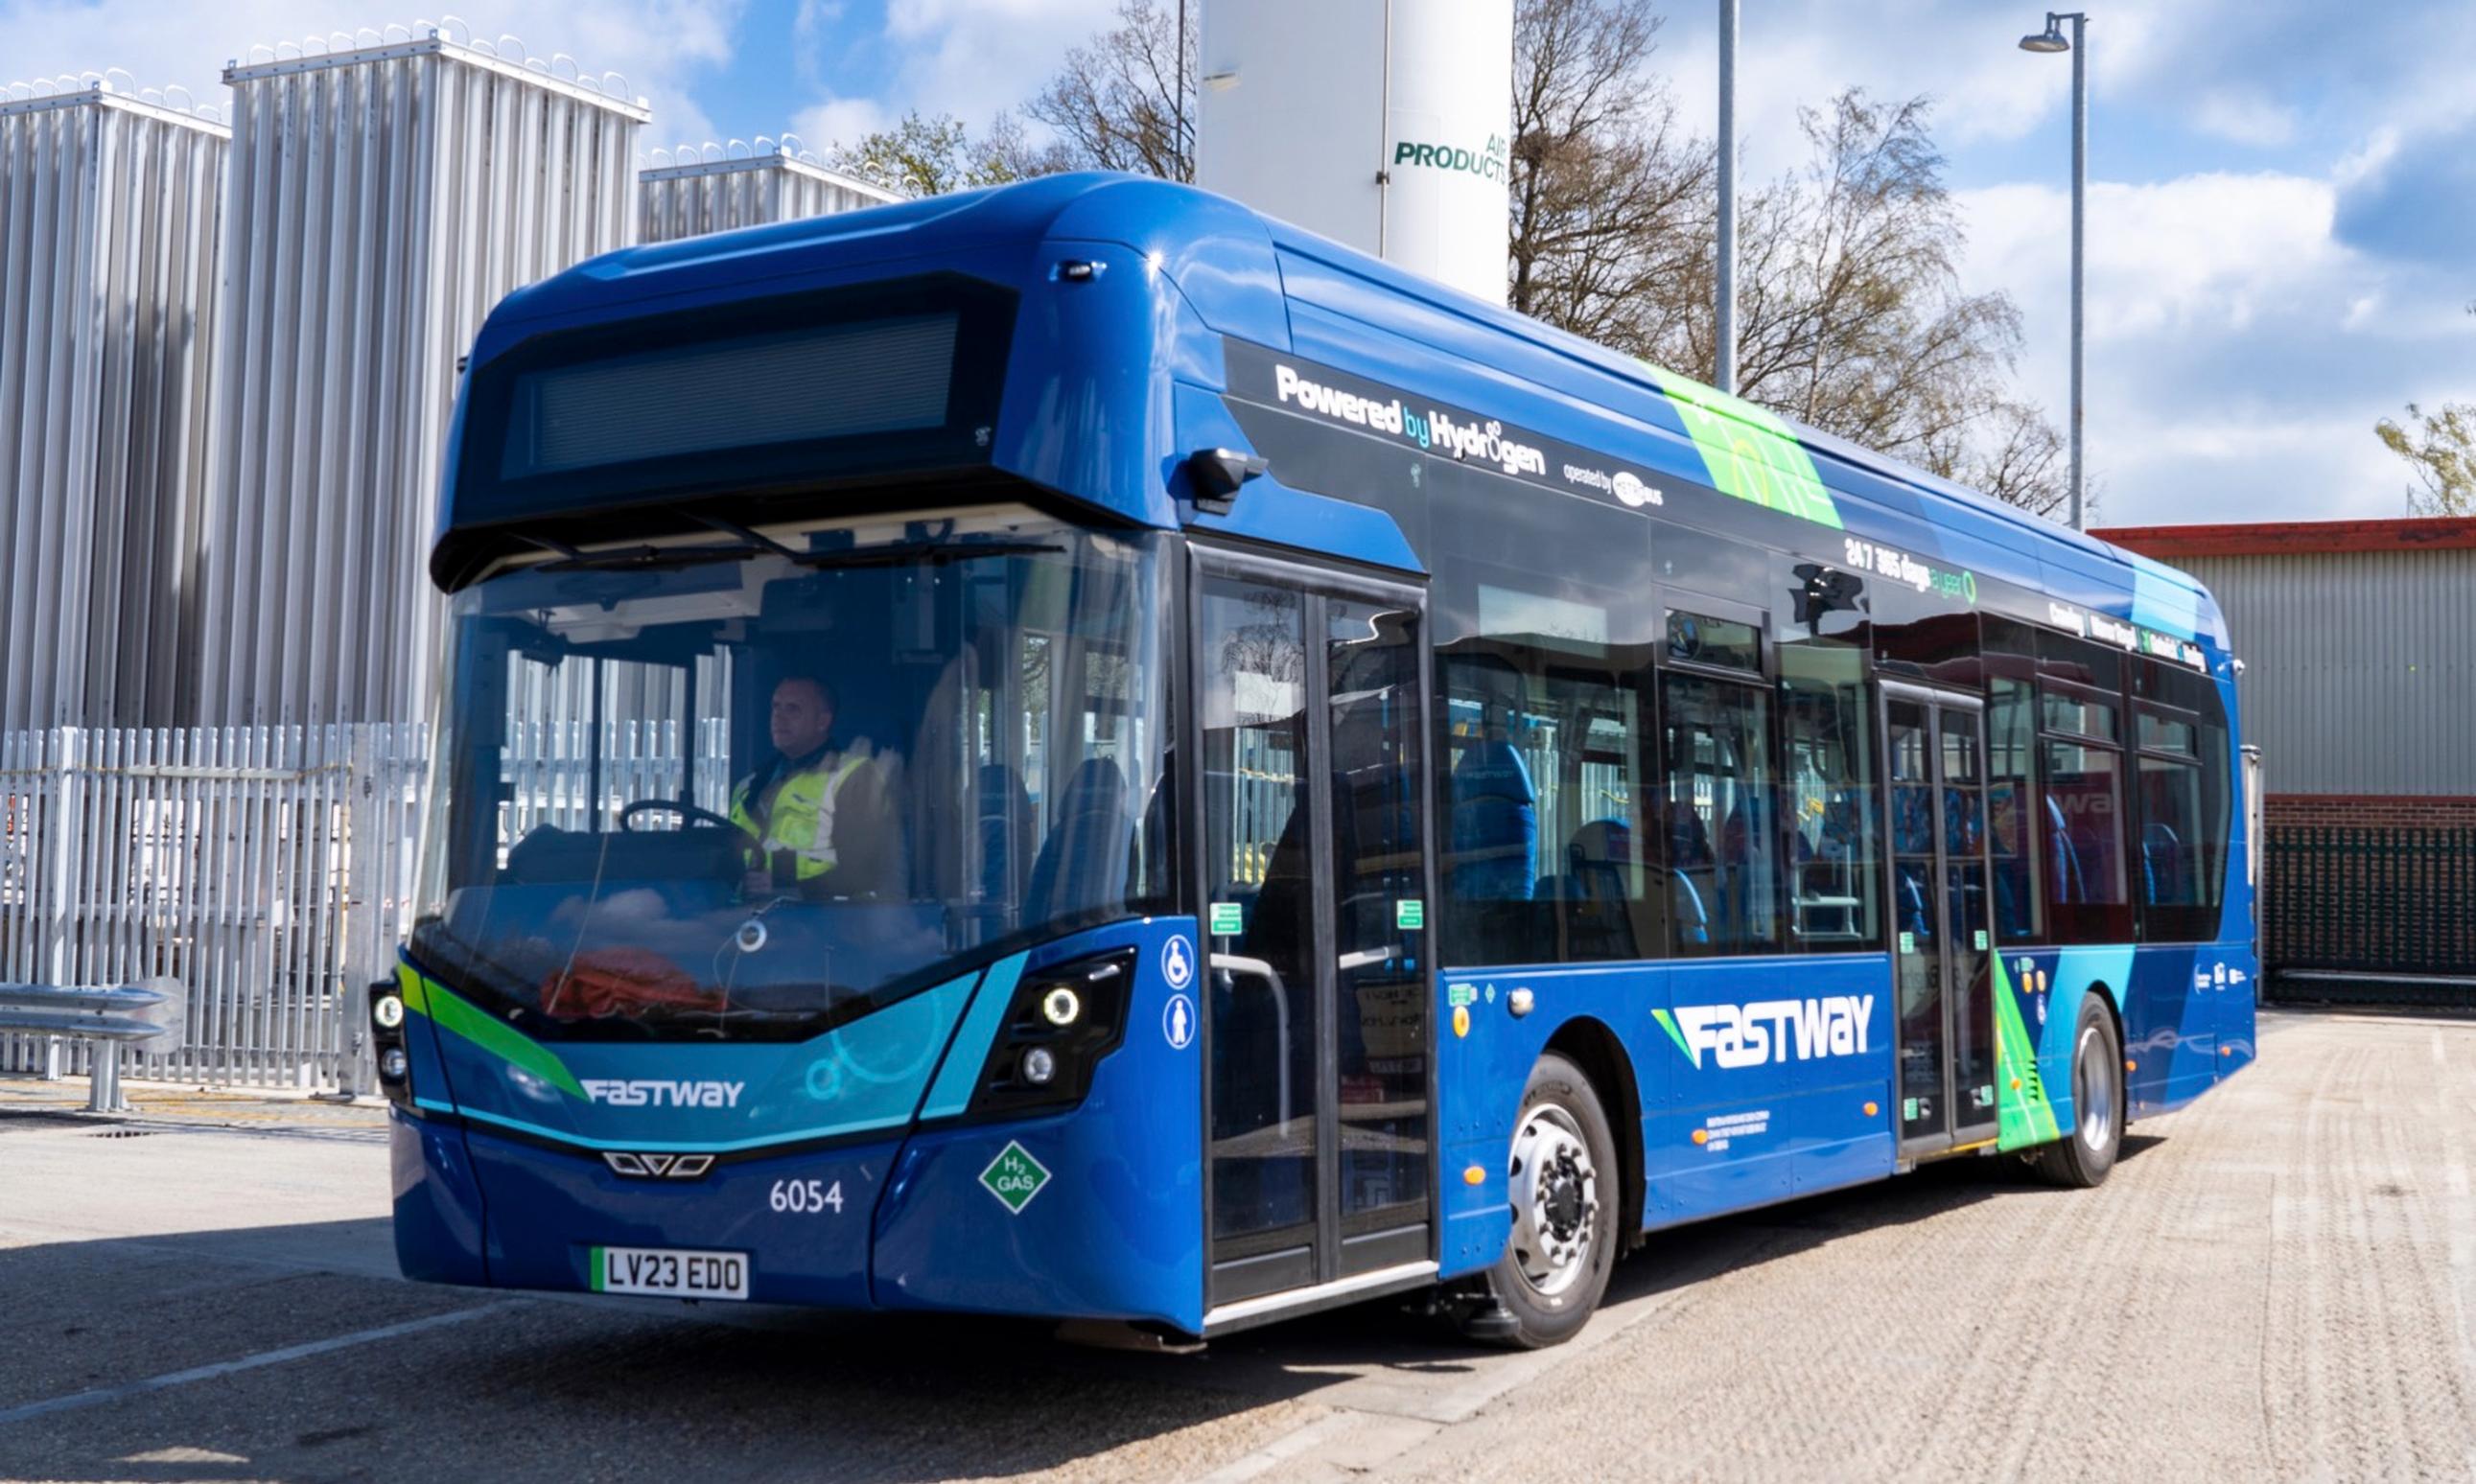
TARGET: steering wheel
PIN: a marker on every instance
(688, 813)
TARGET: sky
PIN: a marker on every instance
(2282, 207)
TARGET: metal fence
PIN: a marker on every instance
(268, 869)
(2373, 903)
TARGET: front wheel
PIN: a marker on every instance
(1561, 1179)
(2086, 1152)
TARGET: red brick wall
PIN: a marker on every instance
(2368, 812)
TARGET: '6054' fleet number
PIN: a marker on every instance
(807, 1197)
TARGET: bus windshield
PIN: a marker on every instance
(751, 784)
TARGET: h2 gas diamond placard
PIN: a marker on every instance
(1014, 1176)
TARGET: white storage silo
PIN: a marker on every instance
(108, 205)
(1382, 123)
(387, 189)
(690, 191)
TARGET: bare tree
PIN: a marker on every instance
(1126, 101)
(1851, 314)
(1609, 196)
(2013, 454)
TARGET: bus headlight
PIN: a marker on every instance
(1060, 1024)
(388, 1030)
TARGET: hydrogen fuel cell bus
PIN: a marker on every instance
(1350, 791)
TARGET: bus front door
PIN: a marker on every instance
(1943, 986)
(1311, 691)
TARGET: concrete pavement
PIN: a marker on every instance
(2277, 1283)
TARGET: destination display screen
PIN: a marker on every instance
(755, 396)
(747, 391)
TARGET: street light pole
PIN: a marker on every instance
(2051, 39)
(1723, 350)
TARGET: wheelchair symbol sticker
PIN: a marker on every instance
(1178, 962)
(1177, 1022)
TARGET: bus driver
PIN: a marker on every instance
(818, 818)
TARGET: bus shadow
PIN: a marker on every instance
(644, 1388)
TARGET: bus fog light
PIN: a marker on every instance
(393, 1064)
(1060, 1005)
(388, 1011)
(1039, 1066)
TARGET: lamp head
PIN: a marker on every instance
(2051, 40)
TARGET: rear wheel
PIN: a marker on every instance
(2086, 1152)
(1562, 1181)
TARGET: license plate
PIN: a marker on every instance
(670, 1272)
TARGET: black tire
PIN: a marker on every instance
(1563, 1175)
(2086, 1150)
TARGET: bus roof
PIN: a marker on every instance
(1245, 275)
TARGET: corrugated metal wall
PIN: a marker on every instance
(2360, 668)
(383, 196)
(108, 209)
(691, 192)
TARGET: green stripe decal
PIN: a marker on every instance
(2024, 1115)
(450, 1012)
(593, 1267)
(1667, 1023)
(1752, 453)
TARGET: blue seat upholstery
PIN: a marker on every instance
(1494, 829)
(1084, 860)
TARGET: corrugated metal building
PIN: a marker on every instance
(110, 200)
(385, 190)
(691, 192)
(2359, 642)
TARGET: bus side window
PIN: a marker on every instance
(2184, 793)
(1721, 835)
(2081, 792)
(2012, 808)
(1834, 864)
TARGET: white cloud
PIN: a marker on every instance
(2197, 253)
(976, 58)
(2239, 353)
(839, 121)
(2244, 118)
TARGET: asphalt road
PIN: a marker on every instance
(2277, 1283)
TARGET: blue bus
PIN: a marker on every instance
(1074, 751)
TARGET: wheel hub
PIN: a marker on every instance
(2096, 1090)
(1555, 1193)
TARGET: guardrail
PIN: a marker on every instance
(112, 1016)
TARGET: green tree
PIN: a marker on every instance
(929, 157)
(2440, 447)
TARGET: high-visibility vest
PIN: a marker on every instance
(801, 818)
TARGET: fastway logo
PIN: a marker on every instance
(653, 1093)
(1770, 1030)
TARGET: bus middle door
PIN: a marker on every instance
(1311, 689)
(1943, 987)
